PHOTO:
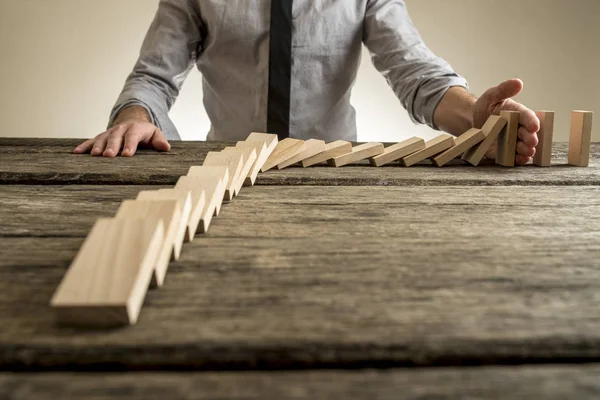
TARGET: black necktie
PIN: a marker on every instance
(280, 68)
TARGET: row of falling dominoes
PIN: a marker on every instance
(122, 257)
(107, 281)
(472, 146)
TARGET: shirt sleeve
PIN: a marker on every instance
(418, 77)
(168, 54)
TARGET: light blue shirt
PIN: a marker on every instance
(228, 41)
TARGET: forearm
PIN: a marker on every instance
(454, 114)
(132, 113)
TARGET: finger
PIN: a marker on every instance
(84, 147)
(527, 137)
(524, 150)
(132, 140)
(114, 142)
(100, 144)
(504, 91)
(528, 119)
(159, 141)
(522, 160)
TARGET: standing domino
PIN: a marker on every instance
(581, 138)
(507, 141)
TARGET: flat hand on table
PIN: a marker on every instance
(132, 127)
(498, 99)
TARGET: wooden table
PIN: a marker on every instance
(326, 283)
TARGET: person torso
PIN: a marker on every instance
(325, 55)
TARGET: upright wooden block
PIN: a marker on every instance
(397, 151)
(463, 143)
(543, 151)
(507, 140)
(107, 282)
(269, 139)
(262, 153)
(581, 138)
(206, 173)
(358, 153)
(184, 198)
(332, 150)
(234, 161)
(166, 211)
(491, 129)
(285, 150)
(250, 155)
(312, 147)
(432, 147)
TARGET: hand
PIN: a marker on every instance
(131, 129)
(498, 99)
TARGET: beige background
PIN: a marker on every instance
(64, 62)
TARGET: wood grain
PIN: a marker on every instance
(556, 382)
(106, 284)
(469, 279)
(151, 168)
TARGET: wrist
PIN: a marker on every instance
(455, 112)
(133, 113)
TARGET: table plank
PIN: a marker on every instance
(522, 382)
(295, 277)
(44, 163)
(70, 211)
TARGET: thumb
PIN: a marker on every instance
(504, 91)
(159, 141)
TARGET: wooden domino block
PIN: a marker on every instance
(332, 150)
(106, 284)
(184, 198)
(357, 153)
(580, 140)
(205, 172)
(250, 155)
(285, 150)
(269, 139)
(262, 153)
(312, 147)
(461, 144)
(198, 202)
(543, 151)
(507, 140)
(397, 151)
(166, 211)
(432, 148)
(214, 190)
(491, 129)
(234, 161)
